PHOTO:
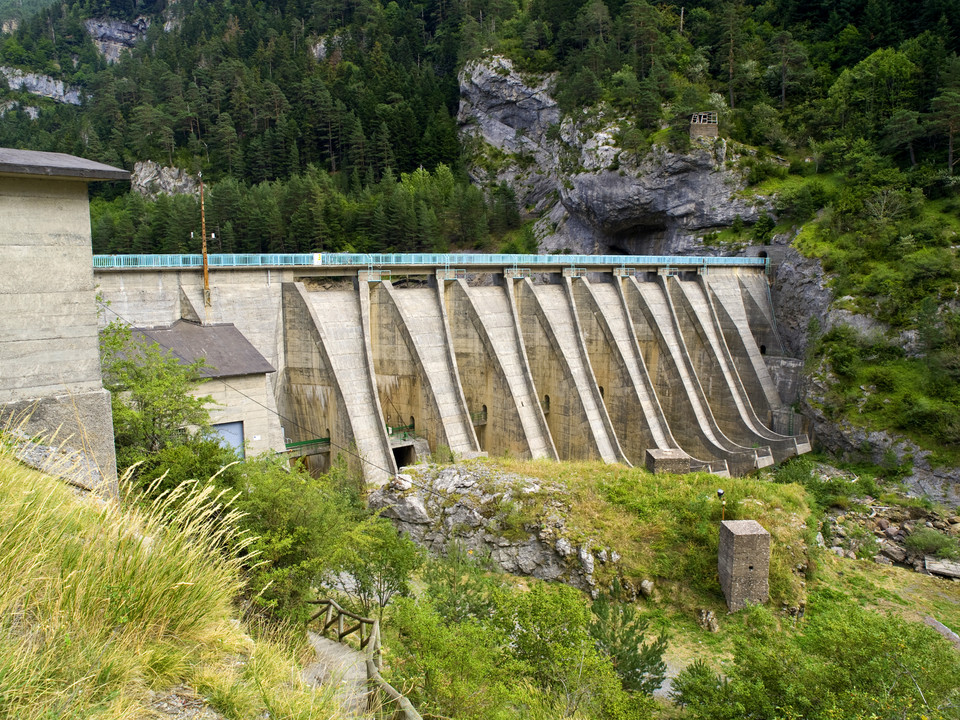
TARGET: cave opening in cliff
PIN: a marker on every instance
(643, 239)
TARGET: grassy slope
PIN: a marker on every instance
(99, 605)
(665, 528)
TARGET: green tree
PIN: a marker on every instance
(621, 633)
(151, 394)
(377, 565)
(945, 117)
(902, 130)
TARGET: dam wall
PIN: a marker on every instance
(379, 363)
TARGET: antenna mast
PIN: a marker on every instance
(203, 232)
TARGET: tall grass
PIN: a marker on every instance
(101, 603)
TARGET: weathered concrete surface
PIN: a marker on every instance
(680, 392)
(726, 387)
(416, 369)
(560, 367)
(619, 368)
(744, 563)
(49, 351)
(341, 668)
(494, 371)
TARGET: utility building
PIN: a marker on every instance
(49, 354)
(244, 412)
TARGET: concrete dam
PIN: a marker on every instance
(671, 363)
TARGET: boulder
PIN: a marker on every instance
(894, 552)
(945, 568)
(707, 619)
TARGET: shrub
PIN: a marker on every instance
(621, 633)
(848, 662)
(929, 541)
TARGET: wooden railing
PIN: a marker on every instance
(368, 631)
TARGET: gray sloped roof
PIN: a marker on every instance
(58, 165)
(224, 348)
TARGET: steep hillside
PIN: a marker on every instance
(113, 612)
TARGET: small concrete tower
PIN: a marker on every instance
(744, 563)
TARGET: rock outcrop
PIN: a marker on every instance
(881, 532)
(112, 36)
(32, 111)
(598, 197)
(42, 85)
(151, 179)
(851, 442)
(518, 522)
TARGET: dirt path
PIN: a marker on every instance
(342, 667)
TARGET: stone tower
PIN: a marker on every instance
(744, 563)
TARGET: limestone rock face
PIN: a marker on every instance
(476, 507)
(499, 109)
(594, 197)
(151, 179)
(653, 206)
(42, 85)
(112, 36)
(32, 111)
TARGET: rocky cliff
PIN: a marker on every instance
(518, 522)
(593, 196)
(42, 85)
(151, 179)
(112, 36)
(801, 294)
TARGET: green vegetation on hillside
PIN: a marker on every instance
(102, 604)
(331, 126)
(462, 640)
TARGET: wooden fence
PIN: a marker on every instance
(382, 693)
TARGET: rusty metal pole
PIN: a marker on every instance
(203, 231)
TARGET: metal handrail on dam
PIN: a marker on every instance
(254, 260)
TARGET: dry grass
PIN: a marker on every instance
(99, 604)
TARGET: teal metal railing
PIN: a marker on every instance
(233, 260)
(196, 260)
